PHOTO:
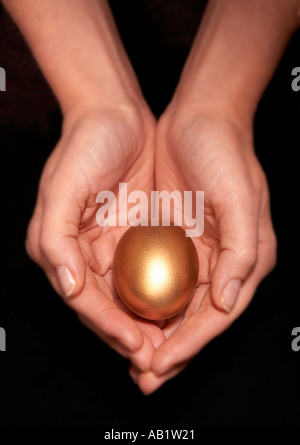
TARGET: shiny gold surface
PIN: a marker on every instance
(155, 270)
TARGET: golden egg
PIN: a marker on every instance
(155, 270)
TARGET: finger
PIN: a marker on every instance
(134, 372)
(175, 322)
(152, 331)
(149, 382)
(33, 232)
(62, 258)
(201, 328)
(140, 359)
(238, 226)
(103, 315)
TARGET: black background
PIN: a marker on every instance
(56, 372)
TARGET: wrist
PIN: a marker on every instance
(94, 96)
(132, 116)
(185, 108)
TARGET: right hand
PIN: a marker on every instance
(202, 149)
(99, 148)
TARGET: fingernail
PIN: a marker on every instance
(66, 279)
(230, 294)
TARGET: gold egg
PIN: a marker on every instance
(155, 270)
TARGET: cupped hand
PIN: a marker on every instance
(211, 152)
(98, 149)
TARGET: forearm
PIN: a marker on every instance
(236, 51)
(78, 48)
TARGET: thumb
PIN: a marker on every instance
(237, 257)
(62, 258)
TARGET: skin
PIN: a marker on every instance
(203, 141)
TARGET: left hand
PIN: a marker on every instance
(99, 148)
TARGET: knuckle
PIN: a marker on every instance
(248, 257)
(46, 245)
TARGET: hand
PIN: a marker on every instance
(206, 150)
(99, 148)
